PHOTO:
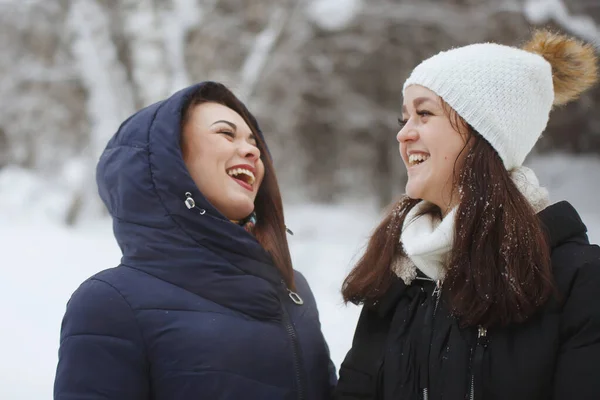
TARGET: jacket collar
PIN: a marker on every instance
(562, 223)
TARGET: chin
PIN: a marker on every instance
(241, 209)
(413, 191)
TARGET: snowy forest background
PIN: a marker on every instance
(324, 78)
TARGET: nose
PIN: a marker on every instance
(407, 133)
(249, 151)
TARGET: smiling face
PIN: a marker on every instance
(431, 148)
(221, 154)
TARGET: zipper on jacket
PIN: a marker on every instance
(287, 321)
(294, 296)
(378, 381)
(476, 370)
(437, 291)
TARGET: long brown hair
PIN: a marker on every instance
(270, 230)
(499, 269)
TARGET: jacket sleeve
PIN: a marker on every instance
(576, 375)
(101, 354)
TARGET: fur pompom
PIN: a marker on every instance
(574, 63)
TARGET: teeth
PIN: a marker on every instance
(240, 171)
(417, 158)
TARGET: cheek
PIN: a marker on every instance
(445, 165)
(260, 168)
(192, 150)
(203, 168)
(211, 157)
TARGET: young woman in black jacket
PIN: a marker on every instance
(474, 286)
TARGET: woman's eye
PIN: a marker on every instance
(402, 122)
(228, 133)
(424, 113)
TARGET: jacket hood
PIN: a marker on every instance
(143, 180)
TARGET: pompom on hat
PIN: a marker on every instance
(506, 93)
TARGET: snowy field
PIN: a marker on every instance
(42, 263)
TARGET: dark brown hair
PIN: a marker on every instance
(499, 269)
(270, 228)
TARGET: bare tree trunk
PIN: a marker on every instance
(109, 96)
(144, 31)
(182, 16)
(262, 49)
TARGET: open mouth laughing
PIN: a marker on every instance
(243, 175)
(417, 158)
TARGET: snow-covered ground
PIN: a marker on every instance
(42, 263)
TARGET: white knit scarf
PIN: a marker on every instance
(427, 240)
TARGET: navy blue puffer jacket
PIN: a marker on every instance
(196, 309)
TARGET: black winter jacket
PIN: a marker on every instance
(554, 355)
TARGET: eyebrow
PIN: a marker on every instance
(234, 127)
(417, 102)
(231, 124)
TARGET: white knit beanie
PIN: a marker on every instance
(506, 93)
